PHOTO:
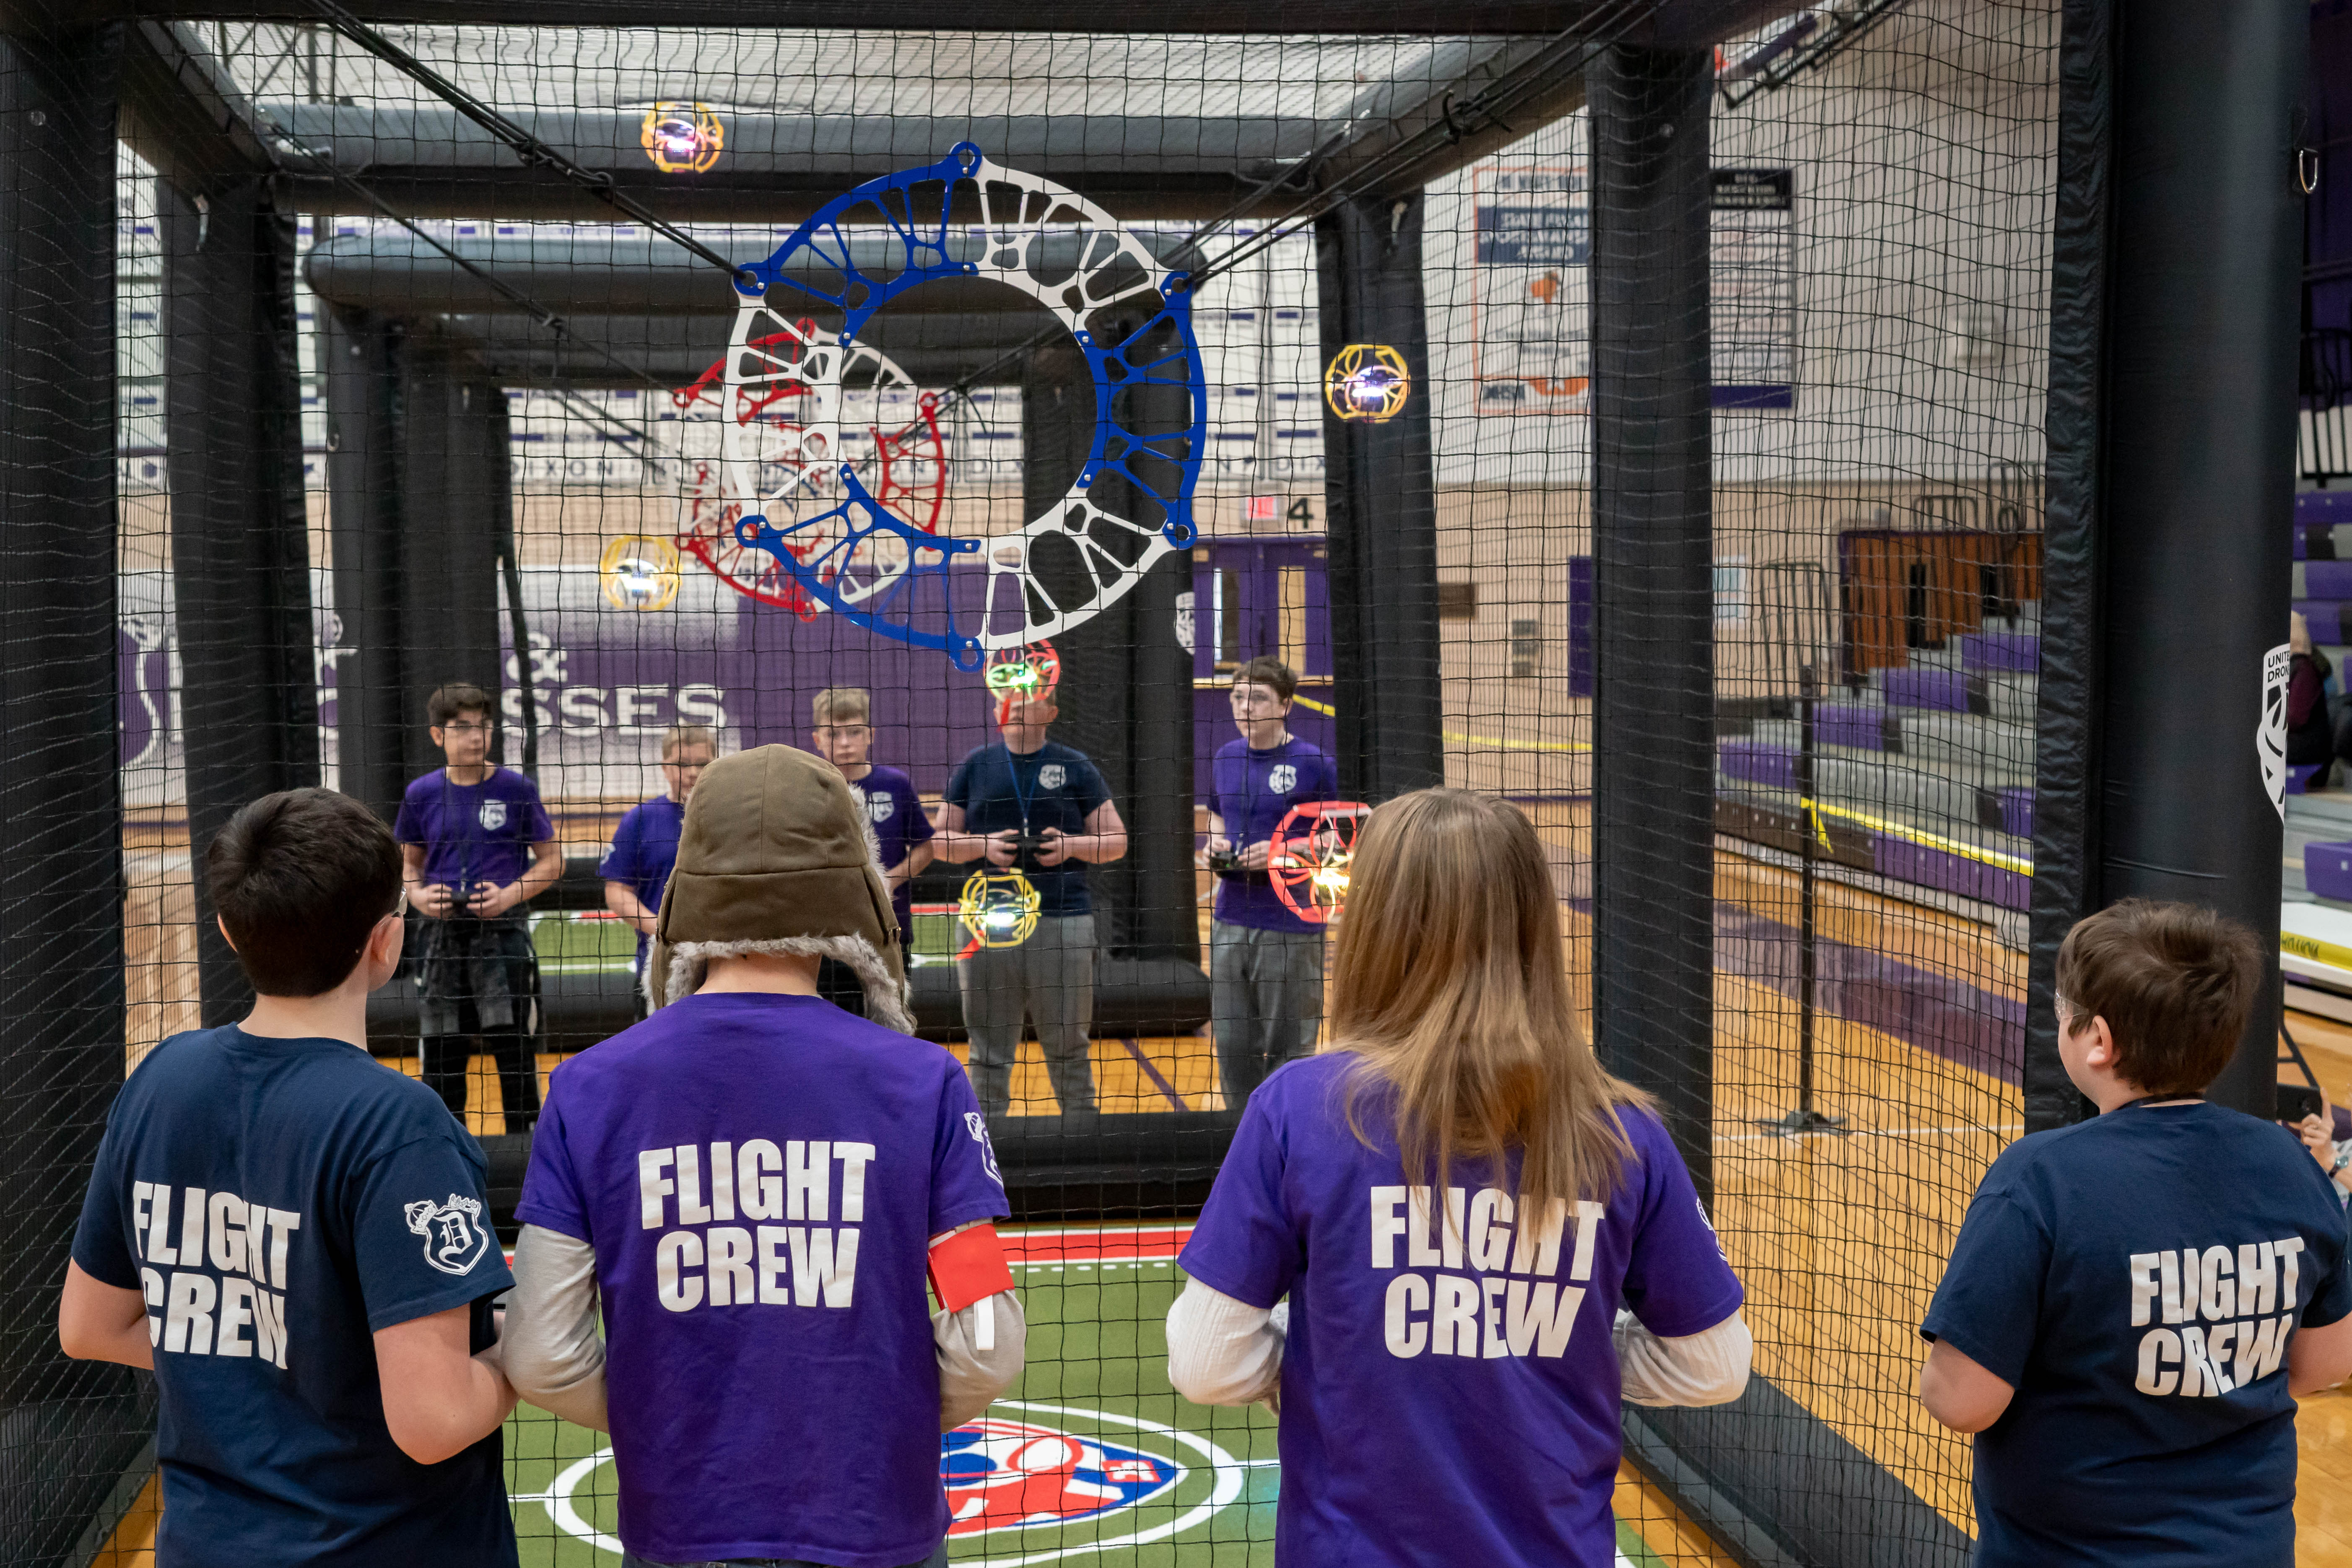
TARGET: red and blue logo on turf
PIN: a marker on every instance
(1002, 1475)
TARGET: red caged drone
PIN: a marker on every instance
(1309, 854)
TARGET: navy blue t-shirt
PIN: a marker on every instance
(277, 1202)
(2136, 1278)
(473, 833)
(642, 852)
(1053, 786)
(897, 815)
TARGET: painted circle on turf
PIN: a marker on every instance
(1004, 1475)
(1088, 1462)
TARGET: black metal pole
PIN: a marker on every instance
(1380, 496)
(72, 1428)
(2172, 411)
(1654, 594)
(1805, 1118)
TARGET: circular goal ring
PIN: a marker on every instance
(908, 460)
(998, 908)
(1308, 856)
(1131, 318)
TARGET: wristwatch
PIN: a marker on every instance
(2343, 1157)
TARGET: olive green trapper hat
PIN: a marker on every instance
(777, 856)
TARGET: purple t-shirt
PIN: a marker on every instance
(1449, 1392)
(896, 814)
(760, 1176)
(1252, 791)
(643, 853)
(474, 834)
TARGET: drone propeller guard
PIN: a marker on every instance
(1308, 856)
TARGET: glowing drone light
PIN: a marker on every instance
(1131, 318)
(1367, 383)
(1023, 674)
(998, 907)
(909, 462)
(682, 138)
(639, 572)
(1308, 856)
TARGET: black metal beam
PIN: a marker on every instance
(73, 1426)
(182, 114)
(1652, 551)
(1668, 23)
(2192, 501)
(1380, 494)
(935, 350)
(624, 275)
(240, 531)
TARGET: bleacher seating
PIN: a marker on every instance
(1924, 772)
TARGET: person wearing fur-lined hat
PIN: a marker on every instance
(752, 1184)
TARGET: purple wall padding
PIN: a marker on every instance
(1758, 762)
(1853, 724)
(2327, 870)
(2002, 650)
(2016, 811)
(1908, 862)
(1943, 690)
(2327, 623)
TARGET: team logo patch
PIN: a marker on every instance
(1053, 775)
(979, 1130)
(494, 813)
(880, 807)
(1282, 778)
(1002, 1474)
(455, 1239)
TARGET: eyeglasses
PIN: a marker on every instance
(468, 727)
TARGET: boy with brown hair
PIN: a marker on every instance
(475, 846)
(2125, 1292)
(636, 864)
(298, 1242)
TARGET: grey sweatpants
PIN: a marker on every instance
(1051, 978)
(1265, 1001)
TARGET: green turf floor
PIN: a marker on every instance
(1098, 1369)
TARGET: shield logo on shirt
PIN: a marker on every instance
(455, 1239)
(1053, 775)
(880, 806)
(1282, 778)
(494, 813)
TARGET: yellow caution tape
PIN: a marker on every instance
(1814, 810)
(2317, 951)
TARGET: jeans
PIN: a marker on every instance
(630, 1560)
(1265, 1001)
(1050, 977)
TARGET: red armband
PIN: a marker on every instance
(969, 1267)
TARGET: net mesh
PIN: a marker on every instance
(532, 430)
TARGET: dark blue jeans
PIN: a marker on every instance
(938, 1558)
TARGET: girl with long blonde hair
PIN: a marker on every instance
(1420, 1242)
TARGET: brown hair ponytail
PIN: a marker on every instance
(1449, 983)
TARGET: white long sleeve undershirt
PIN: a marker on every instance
(554, 1354)
(1224, 1352)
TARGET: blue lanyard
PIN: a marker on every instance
(1013, 766)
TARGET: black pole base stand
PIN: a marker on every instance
(1797, 1123)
